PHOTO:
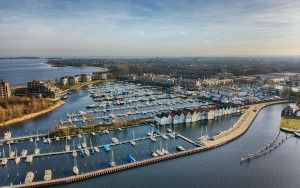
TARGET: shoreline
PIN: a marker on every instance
(32, 115)
(238, 129)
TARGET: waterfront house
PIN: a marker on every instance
(188, 115)
(195, 115)
(181, 117)
(176, 116)
(211, 113)
(291, 110)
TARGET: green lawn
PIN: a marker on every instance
(290, 122)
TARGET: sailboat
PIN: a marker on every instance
(17, 159)
(37, 136)
(165, 151)
(74, 153)
(49, 139)
(36, 150)
(112, 162)
(154, 154)
(91, 147)
(84, 142)
(11, 152)
(159, 151)
(67, 147)
(4, 160)
(75, 167)
(93, 132)
(132, 142)
(29, 158)
(24, 153)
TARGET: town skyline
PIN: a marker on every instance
(149, 28)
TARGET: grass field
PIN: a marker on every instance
(290, 123)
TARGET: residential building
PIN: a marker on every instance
(5, 91)
(291, 110)
(39, 87)
(73, 80)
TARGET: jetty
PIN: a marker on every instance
(268, 148)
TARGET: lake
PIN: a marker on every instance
(20, 71)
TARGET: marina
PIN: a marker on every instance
(97, 152)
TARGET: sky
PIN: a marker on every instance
(149, 28)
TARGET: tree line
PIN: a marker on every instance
(16, 107)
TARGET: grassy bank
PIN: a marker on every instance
(64, 130)
(290, 123)
(33, 114)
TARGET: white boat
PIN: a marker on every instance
(164, 151)
(31, 139)
(56, 138)
(67, 147)
(154, 154)
(164, 136)
(48, 175)
(106, 131)
(7, 135)
(75, 167)
(132, 142)
(171, 135)
(24, 153)
(11, 152)
(74, 153)
(87, 151)
(152, 138)
(112, 162)
(93, 133)
(29, 159)
(36, 150)
(114, 140)
(84, 144)
(149, 133)
(180, 148)
(4, 160)
(17, 160)
(29, 177)
(159, 152)
(97, 149)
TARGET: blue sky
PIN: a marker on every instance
(150, 28)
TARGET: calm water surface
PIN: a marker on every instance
(221, 167)
(28, 69)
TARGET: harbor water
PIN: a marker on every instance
(221, 167)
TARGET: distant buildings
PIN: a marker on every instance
(38, 87)
(291, 110)
(99, 76)
(5, 91)
(214, 82)
(73, 80)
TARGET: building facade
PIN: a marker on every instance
(5, 91)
